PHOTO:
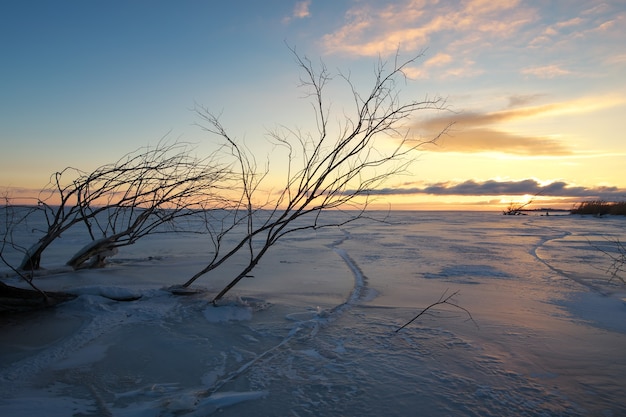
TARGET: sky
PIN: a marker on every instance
(536, 89)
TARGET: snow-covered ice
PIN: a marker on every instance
(314, 331)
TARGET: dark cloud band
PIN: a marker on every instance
(498, 188)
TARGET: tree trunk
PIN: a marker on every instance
(13, 299)
(94, 254)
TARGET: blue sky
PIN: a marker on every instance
(537, 88)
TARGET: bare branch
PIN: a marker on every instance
(445, 299)
(617, 260)
(323, 172)
(144, 192)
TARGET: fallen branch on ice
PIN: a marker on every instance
(444, 299)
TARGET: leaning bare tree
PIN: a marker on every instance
(152, 190)
(142, 193)
(325, 170)
(13, 299)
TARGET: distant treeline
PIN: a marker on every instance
(600, 208)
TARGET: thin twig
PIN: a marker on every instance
(616, 267)
(444, 299)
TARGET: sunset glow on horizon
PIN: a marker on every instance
(535, 92)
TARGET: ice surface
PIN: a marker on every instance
(314, 331)
(227, 313)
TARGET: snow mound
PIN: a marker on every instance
(112, 293)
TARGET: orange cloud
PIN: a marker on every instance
(300, 11)
(491, 140)
(546, 71)
(370, 31)
(442, 66)
(595, 23)
(582, 105)
(438, 60)
(478, 132)
(571, 22)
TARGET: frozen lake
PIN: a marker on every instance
(314, 331)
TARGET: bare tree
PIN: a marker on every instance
(18, 299)
(118, 203)
(145, 191)
(325, 171)
(516, 209)
(13, 218)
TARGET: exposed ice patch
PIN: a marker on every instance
(469, 271)
(599, 310)
(227, 313)
(85, 356)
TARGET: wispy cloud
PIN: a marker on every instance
(300, 11)
(508, 188)
(616, 59)
(571, 22)
(474, 132)
(468, 34)
(558, 27)
(443, 66)
(598, 20)
(370, 29)
(517, 100)
(608, 25)
(546, 71)
(491, 140)
(438, 60)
